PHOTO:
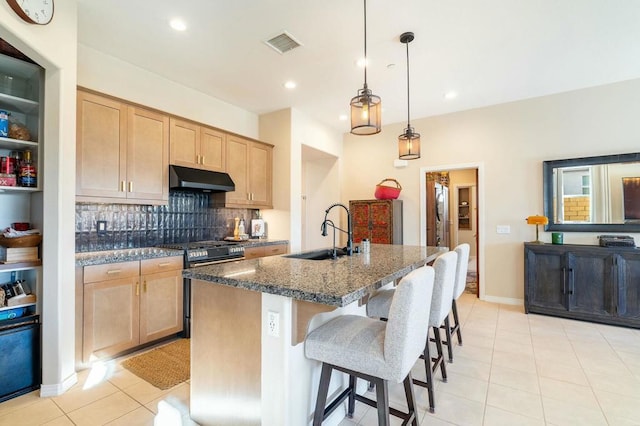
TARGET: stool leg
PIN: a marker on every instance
(440, 357)
(411, 399)
(323, 390)
(382, 397)
(456, 321)
(429, 375)
(352, 396)
(447, 332)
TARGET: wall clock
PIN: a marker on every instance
(33, 11)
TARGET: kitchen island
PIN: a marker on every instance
(249, 320)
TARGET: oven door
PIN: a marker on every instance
(213, 262)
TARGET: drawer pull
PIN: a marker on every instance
(122, 184)
(137, 288)
(114, 271)
(163, 264)
(144, 286)
(131, 186)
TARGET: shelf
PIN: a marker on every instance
(8, 143)
(26, 305)
(14, 103)
(19, 188)
(17, 266)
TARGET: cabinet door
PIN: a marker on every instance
(237, 161)
(111, 317)
(590, 278)
(212, 150)
(545, 280)
(184, 140)
(100, 146)
(147, 156)
(360, 213)
(628, 267)
(381, 222)
(259, 175)
(161, 305)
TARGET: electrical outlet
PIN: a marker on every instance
(273, 324)
(101, 226)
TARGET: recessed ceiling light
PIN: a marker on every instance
(450, 95)
(178, 24)
(343, 117)
(290, 85)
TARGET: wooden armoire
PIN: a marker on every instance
(378, 220)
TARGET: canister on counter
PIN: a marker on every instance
(4, 124)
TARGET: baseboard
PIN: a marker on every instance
(58, 388)
(503, 300)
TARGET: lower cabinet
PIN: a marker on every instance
(127, 304)
(593, 283)
(268, 250)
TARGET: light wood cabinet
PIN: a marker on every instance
(249, 164)
(200, 147)
(268, 250)
(127, 304)
(122, 152)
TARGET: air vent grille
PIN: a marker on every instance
(283, 43)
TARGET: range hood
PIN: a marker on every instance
(185, 178)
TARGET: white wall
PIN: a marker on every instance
(54, 47)
(511, 141)
(112, 76)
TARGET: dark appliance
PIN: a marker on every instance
(202, 253)
(20, 356)
(185, 178)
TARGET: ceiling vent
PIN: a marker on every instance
(283, 43)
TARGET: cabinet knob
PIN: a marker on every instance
(202, 159)
(130, 186)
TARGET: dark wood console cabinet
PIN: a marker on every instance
(592, 283)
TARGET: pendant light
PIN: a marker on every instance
(365, 107)
(409, 141)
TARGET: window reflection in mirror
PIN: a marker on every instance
(593, 193)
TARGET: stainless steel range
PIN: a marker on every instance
(202, 253)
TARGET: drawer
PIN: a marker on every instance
(111, 271)
(253, 252)
(161, 264)
(275, 249)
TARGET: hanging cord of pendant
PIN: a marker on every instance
(365, 44)
(408, 103)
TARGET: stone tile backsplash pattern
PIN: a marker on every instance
(187, 217)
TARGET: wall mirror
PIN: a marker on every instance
(593, 194)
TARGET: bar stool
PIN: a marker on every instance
(460, 284)
(374, 350)
(445, 270)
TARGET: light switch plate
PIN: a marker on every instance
(503, 229)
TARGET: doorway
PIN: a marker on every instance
(462, 214)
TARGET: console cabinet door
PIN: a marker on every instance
(160, 305)
(628, 269)
(590, 277)
(545, 280)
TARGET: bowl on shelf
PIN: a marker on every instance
(25, 241)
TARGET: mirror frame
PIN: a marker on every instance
(547, 176)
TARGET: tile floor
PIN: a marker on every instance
(514, 369)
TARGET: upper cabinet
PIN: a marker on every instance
(20, 112)
(249, 163)
(200, 147)
(121, 152)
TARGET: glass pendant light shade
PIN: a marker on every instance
(409, 145)
(365, 113)
(409, 141)
(366, 109)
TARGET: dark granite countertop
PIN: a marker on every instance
(331, 282)
(125, 255)
(259, 243)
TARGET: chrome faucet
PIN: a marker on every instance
(349, 231)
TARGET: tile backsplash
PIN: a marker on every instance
(187, 217)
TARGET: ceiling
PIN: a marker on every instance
(489, 52)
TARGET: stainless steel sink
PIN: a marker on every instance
(322, 254)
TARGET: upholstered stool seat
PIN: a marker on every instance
(460, 284)
(378, 305)
(376, 351)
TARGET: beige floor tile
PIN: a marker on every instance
(525, 403)
(177, 397)
(124, 378)
(471, 368)
(60, 421)
(104, 410)
(612, 366)
(616, 405)
(39, 413)
(475, 353)
(513, 347)
(78, 396)
(552, 356)
(144, 392)
(560, 413)
(562, 373)
(466, 387)
(496, 417)
(567, 392)
(371, 419)
(629, 358)
(517, 337)
(478, 341)
(20, 402)
(622, 385)
(141, 416)
(456, 410)
(514, 379)
(515, 361)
